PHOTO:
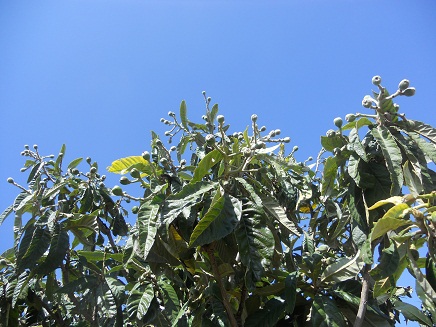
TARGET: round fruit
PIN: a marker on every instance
(124, 180)
(220, 119)
(350, 117)
(135, 209)
(254, 118)
(88, 160)
(116, 190)
(338, 122)
(146, 155)
(93, 170)
(330, 133)
(376, 80)
(410, 91)
(404, 84)
(135, 173)
(287, 139)
(367, 101)
(10, 180)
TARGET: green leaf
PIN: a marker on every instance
(147, 226)
(73, 164)
(355, 144)
(268, 316)
(273, 208)
(183, 116)
(255, 240)
(39, 243)
(325, 313)
(22, 201)
(430, 271)
(219, 221)
(21, 287)
(290, 292)
(343, 269)
(389, 262)
(392, 155)
(6, 213)
(81, 284)
(329, 176)
(193, 190)
(357, 124)
(330, 143)
(59, 246)
(210, 160)
(213, 112)
(124, 165)
(392, 200)
(411, 312)
(390, 221)
(424, 130)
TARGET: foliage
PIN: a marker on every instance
(241, 234)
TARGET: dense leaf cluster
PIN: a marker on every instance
(240, 234)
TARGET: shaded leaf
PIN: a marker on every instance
(329, 176)
(147, 226)
(412, 313)
(343, 269)
(325, 313)
(273, 208)
(268, 316)
(59, 246)
(209, 160)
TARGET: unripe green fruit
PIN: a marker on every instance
(262, 129)
(323, 248)
(10, 180)
(124, 180)
(75, 171)
(146, 155)
(330, 133)
(220, 119)
(116, 190)
(210, 139)
(35, 146)
(409, 92)
(88, 160)
(404, 84)
(101, 185)
(260, 145)
(287, 139)
(254, 118)
(26, 146)
(278, 132)
(162, 120)
(338, 122)
(171, 113)
(167, 133)
(103, 177)
(135, 173)
(203, 92)
(376, 80)
(23, 169)
(3, 262)
(367, 101)
(295, 148)
(135, 209)
(182, 162)
(93, 170)
(158, 142)
(350, 117)
(209, 99)
(164, 161)
(173, 148)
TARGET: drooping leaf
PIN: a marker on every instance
(220, 220)
(325, 313)
(424, 130)
(343, 269)
(356, 145)
(329, 176)
(430, 271)
(210, 160)
(58, 248)
(331, 143)
(389, 262)
(412, 313)
(392, 200)
(290, 292)
(39, 243)
(21, 287)
(6, 213)
(147, 226)
(392, 156)
(391, 220)
(255, 240)
(273, 208)
(268, 316)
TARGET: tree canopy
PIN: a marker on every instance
(230, 229)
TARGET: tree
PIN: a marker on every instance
(241, 235)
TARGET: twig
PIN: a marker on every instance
(363, 297)
(216, 274)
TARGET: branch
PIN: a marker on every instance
(363, 297)
(216, 274)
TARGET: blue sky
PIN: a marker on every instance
(98, 75)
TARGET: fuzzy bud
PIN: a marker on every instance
(254, 118)
(10, 180)
(410, 91)
(376, 80)
(338, 122)
(210, 139)
(404, 84)
(350, 118)
(367, 101)
(146, 155)
(220, 119)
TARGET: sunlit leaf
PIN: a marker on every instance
(210, 160)
(391, 220)
(124, 165)
(343, 269)
(183, 114)
(147, 226)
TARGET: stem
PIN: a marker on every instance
(216, 274)
(363, 297)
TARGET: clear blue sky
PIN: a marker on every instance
(98, 75)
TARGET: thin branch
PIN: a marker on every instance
(363, 297)
(216, 274)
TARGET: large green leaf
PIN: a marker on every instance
(139, 301)
(39, 243)
(331, 143)
(392, 155)
(391, 220)
(430, 271)
(412, 313)
(147, 226)
(343, 269)
(268, 316)
(59, 246)
(355, 144)
(74, 163)
(124, 165)
(219, 221)
(210, 160)
(325, 313)
(21, 287)
(255, 240)
(6, 213)
(274, 209)
(424, 130)
(389, 263)
(329, 176)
